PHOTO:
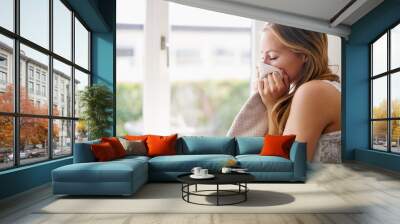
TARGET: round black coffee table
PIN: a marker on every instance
(238, 179)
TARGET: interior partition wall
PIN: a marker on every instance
(44, 65)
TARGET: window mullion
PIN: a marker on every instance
(389, 114)
(16, 84)
(73, 82)
(371, 89)
(50, 81)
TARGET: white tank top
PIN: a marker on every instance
(329, 145)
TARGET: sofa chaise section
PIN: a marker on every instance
(87, 177)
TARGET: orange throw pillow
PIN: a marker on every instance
(103, 152)
(161, 145)
(136, 137)
(277, 145)
(116, 145)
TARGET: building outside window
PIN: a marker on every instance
(38, 89)
(3, 61)
(3, 72)
(43, 90)
(30, 87)
(44, 77)
(30, 72)
(34, 79)
(3, 78)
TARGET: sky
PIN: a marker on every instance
(35, 27)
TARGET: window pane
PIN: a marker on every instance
(395, 94)
(379, 100)
(6, 142)
(81, 81)
(81, 131)
(62, 138)
(206, 90)
(395, 138)
(81, 45)
(34, 72)
(130, 42)
(395, 47)
(62, 89)
(33, 139)
(379, 135)
(35, 21)
(7, 14)
(379, 55)
(6, 74)
(62, 29)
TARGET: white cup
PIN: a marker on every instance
(226, 170)
(203, 172)
(196, 170)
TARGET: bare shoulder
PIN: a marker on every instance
(315, 91)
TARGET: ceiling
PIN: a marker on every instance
(328, 16)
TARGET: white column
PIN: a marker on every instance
(156, 86)
(335, 54)
(257, 27)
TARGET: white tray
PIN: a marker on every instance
(208, 176)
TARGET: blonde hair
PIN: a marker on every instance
(314, 46)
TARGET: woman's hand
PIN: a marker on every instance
(272, 87)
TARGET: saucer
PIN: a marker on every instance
(208, 176)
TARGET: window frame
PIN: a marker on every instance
(388, 74)
(16, 115)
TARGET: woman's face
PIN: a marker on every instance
(276, 54)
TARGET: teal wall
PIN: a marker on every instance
(99, 16)
(104, 53)
(24, 178)
(355, 97)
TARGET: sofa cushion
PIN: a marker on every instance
(161, 145)
(83, 152)
(257, 163)
(136, 137)
(116, 145)
(195, 145)
(111, 171)
(103, 152)
(185, 163)
(277, 145)
(134, 147)
(249, 145)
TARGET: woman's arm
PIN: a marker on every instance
(272, 128)
(310, 113)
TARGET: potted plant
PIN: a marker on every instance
(96, 102)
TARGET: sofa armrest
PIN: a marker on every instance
(298, 155)
(83, 152)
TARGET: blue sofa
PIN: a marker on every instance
(125, 176)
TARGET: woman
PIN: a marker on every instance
(305, 100)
